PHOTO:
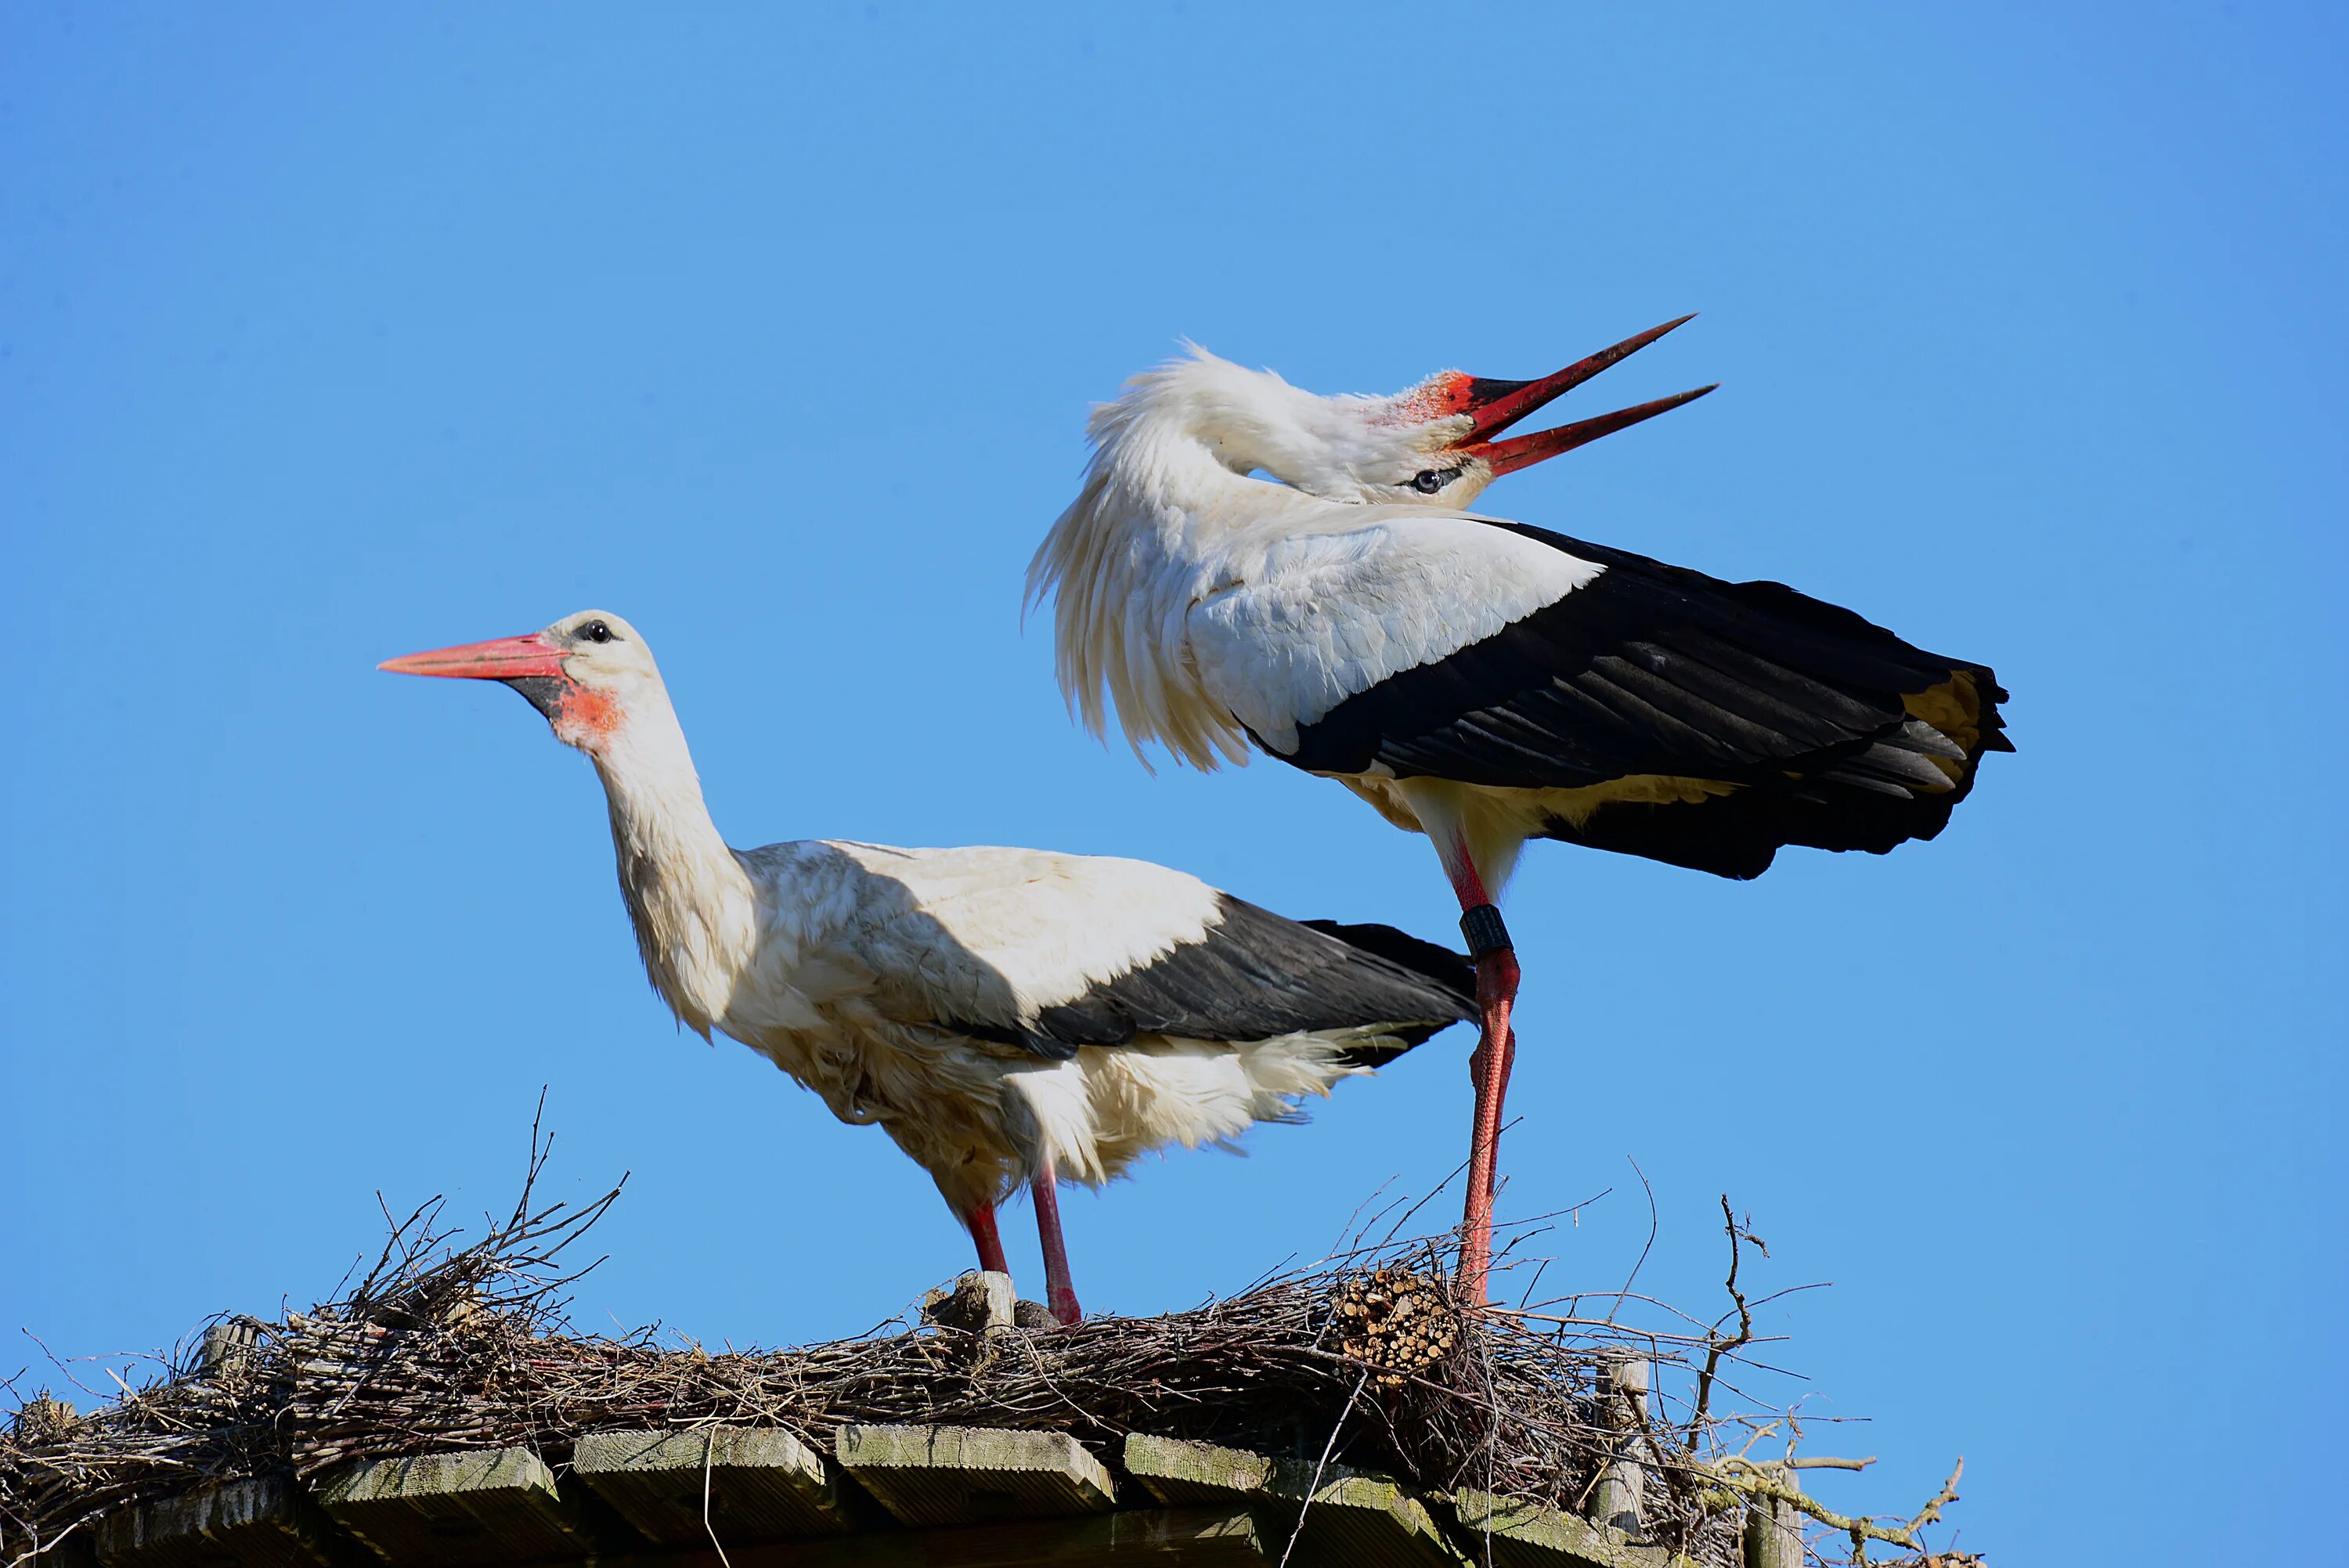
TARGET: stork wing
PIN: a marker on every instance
(1320, 618)
(1047, 953)
(1812, 726)
(1653, 669)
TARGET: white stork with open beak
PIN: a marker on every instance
(1007, 1015)
(1477, 680)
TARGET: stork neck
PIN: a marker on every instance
(1194, 503)
(1162, 521)
(691, 902)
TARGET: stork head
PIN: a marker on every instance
(1440, 442)
(585, 673)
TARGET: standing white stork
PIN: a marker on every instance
(1007, 1015)
(1477, 680)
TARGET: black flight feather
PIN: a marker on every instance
(1824, 722)
(1256, 975)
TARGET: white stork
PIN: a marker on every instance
(1007, 1015)
(1477, 680)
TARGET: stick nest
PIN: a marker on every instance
(1364, 1361)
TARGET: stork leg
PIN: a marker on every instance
(981, 1221)
(1496, 1052)
(1060, 1290)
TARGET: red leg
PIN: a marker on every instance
(1060, 1290)
(981, 1220)
(1496, 1049)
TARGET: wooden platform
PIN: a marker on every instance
(876, 1496)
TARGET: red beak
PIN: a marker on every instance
(1524, 451)
(500, 659)
(1498, 405)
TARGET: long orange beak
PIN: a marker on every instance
(1498, 405)
(500, 659)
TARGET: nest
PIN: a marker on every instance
(1364, 1361)
(1397, 1322)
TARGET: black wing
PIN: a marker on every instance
(1257, 975)
(1836, 733)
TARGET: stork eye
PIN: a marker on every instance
(1427, 481)
(593, 632)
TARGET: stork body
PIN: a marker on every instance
(1477, 680)
(1009, 1016)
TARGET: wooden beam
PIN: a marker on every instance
(1343, 1515)
(1619, 1499)
(975, 1301)
(758, 1483)
(1175, 1470)
(1361, 1519)
(1522, 1534)
(972, 1475)
(265, 1523)
(1149, 1538)
(1774, 1534)
(492, 1505)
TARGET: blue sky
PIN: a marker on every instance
(327, 334)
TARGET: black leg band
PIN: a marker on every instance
(1485, 934)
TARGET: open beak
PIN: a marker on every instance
(500, 659)
(1494, 406)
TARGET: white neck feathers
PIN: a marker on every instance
(1165, 516)
(693, 905)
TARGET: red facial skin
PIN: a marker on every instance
(1437, 397)
(586, 718)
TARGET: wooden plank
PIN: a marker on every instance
(1212, 1537)
(1359, 1519)
(228, 1347)
(1523, 1534)
(265, 1523)
(763, 1484)
(1342, 1514)
(1175, 1470)
(1619, 1499)
(494, 1505)
(974, 1475)
(1774, 1534)
(975, 1301)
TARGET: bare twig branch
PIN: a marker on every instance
(1744, 1335)
(1652, 1222)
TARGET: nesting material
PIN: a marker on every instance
(1360, 1365)
(1395, 1321)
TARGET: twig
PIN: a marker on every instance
(1642, 1261)
(1322, 1464)
(710, 1463)
(1744, 1337)
(1931, 1512)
